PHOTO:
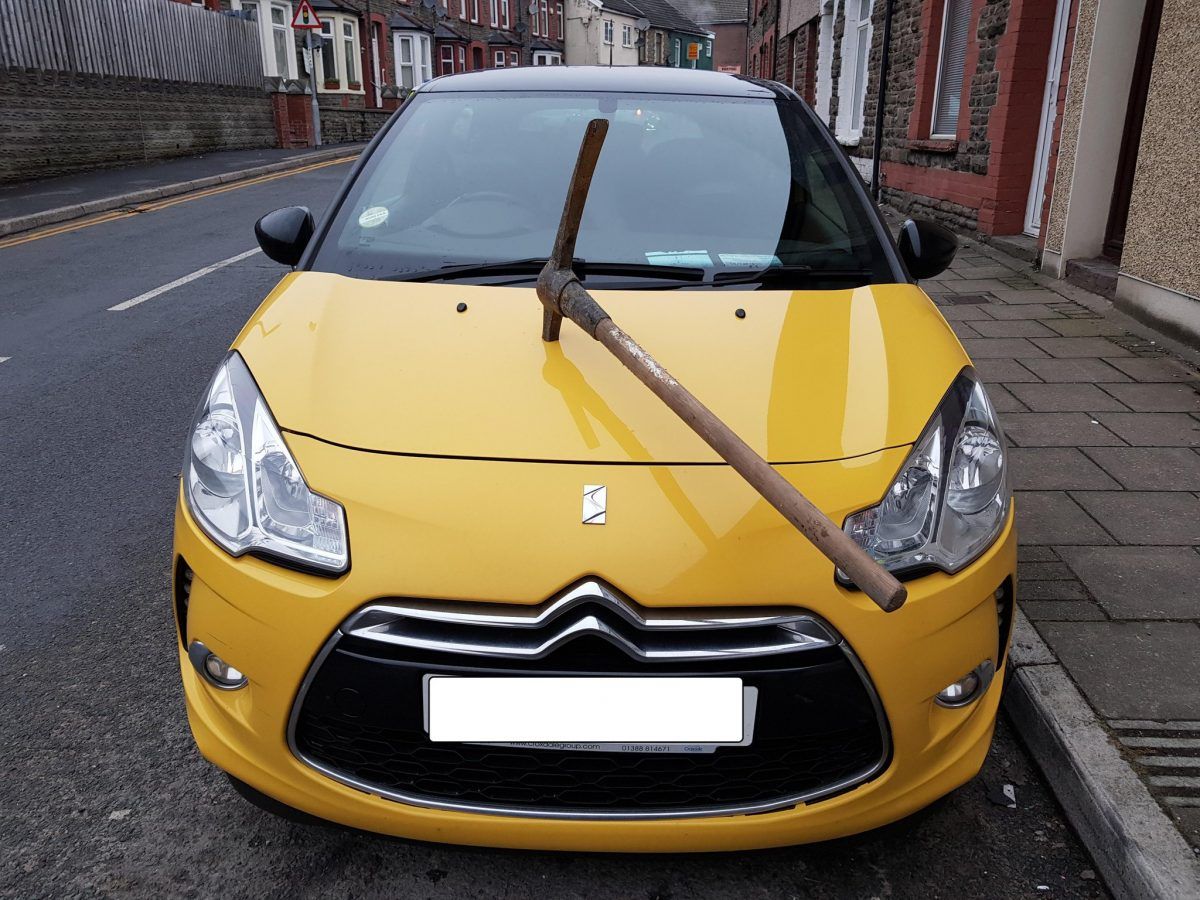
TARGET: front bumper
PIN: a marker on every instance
(684, 537)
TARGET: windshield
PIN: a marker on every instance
(689, 192)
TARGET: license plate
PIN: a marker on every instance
(615, 714)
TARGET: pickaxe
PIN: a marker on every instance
(562, 295)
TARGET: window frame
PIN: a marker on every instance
(854, 32)
(505, 18)
(420, 55)
(494, 13)
(443, 62)
(609, 32)
(545, 12)
(626, 35)
(934, 134)
(475, 12)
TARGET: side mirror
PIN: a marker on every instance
(284, 233)
(926, 247)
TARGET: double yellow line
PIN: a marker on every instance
(141, 208)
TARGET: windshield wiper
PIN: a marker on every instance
(533, 267)
(771, 273)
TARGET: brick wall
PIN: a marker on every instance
(978, 180)
(57, 123)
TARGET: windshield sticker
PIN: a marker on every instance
(749, 260)
(679, 258)
(373, 217)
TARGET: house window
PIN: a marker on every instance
(498, 58)
(608, 31)
(494, 11)
(329, 70)
(853, 85)
(514, 58)
(626, 36)
(447, 63)
(708, 48)
(947, 95)
(462, 59)
(350, 48)
(677, 46)
(534, 24)
(474, 10)
(413, 62)
(504, 20)
(545, 19)
(462, 9)
(281, 38)
(561, 23)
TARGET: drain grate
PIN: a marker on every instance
(968, 299)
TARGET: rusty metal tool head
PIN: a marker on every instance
(562, 295)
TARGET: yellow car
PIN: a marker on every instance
(437, 578)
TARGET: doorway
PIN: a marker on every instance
(1041, 159)
(1131, 136)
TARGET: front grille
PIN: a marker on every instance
(818, 727)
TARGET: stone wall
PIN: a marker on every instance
(346, 126)
(58, 123)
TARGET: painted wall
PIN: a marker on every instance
(1162, 241)
(585, 36)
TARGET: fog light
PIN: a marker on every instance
(968, 688)
(214, 670)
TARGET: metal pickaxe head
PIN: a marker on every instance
(557, 275)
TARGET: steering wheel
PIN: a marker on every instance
(467, 216)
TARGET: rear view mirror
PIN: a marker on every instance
(926, 247)
(284, 233)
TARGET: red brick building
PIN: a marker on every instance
(972, 101)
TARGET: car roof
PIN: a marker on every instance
(622, 79)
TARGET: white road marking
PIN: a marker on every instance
(179, 282)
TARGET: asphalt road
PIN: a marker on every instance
(102, 793)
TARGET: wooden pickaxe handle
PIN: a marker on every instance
(562, 295)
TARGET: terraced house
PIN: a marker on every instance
(1034, 123)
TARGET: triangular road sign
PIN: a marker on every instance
(306, 16)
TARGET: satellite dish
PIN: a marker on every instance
(642, 24)
(441, 13)
(428, 4)
(521, 28)
(533, 8)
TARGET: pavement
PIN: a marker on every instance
(104, 794)
(34, 204)
(1103, 422)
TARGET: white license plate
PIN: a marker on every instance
(649, 711)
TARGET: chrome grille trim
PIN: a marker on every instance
(529, 632)
(692, 619)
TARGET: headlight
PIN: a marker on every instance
(951, 498)
(244, 488)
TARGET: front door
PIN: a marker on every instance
(1041, 160)
(1135, 113)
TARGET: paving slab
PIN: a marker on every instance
(1086, 327)
(1025, 328)
(1037, 295)
(1094, 371)
(965, 313)
(1152, 369)
(1143, 397)
(1066, 397)
(1053, 518)
(1153, 429)
(1050, 590)
(1150, 468)
(1002, 348)
(1056, 469)
(1144, 517)
(1062, 611)
(1003, 401)
(1080, 347)
(1041, 429)
(979, 284)
(1132, 670)
(1055, 570)
(1140, 582)
(1025, 311)
(996, 371)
